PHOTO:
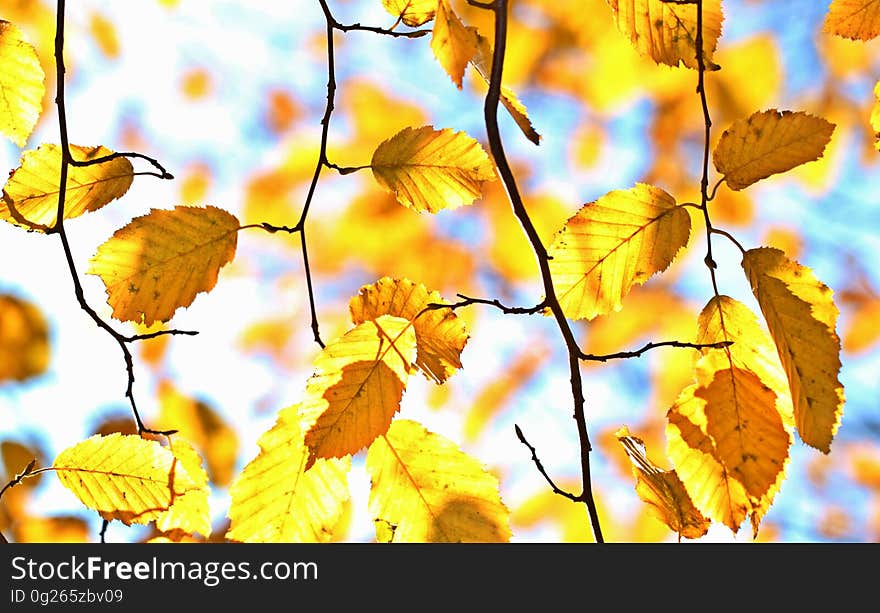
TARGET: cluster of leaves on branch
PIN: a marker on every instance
(760, 380)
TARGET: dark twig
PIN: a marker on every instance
(376, 30)
(540, 467)
(468, 301)
(59, 229)
(707, 140)
(162, 174)
(103, 533)
(28, 471)
(648, 346)
(344, 170)
(729, 237)
(149, 335)
(493, 97)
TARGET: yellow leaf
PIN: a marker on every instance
(728, 443)
(612, 244)
(482, 62)
(124, 477)
(431, 170)
(30, 196)
(425, 489)
(667, 32)
(412, 12)
(357, 386)
(453, 43)
(159, 262)
(21, 84)
(276, 500)
(768, 143)
(440, 334)
(24, 340)
(189, 513)
(198, 422)
(662, 490)
(855, 19)
(726, 319)
(802, 317)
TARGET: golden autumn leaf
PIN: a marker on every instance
(357, 386)
(453, 43)
(21, 84)
(612, 244)
(854, 19)
(425, 489)
(189, 514)
(431, 170)
(802, 317)
(662, 490)
(768, 143)
(482, 62)
(276, 500)
(30, 196)
(440, 334)
(667, 31)
(161, 261)
(196, 421)
(124, 477)
(412, 12)
(726, 319)
(727, 443)
(24, 340)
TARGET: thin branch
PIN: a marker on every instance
(707, 139)
(102, 534)
(507, 310)
(59, 229)
(270, 228)
(540, 467)
(715, 188)
(345, 170)
(729, 237)
(27, 472)
(314, 325)
(163, 174)
(648, 346)
(500, 9)
(149, 335)
(377, 30)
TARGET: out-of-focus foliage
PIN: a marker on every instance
(416, 219)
